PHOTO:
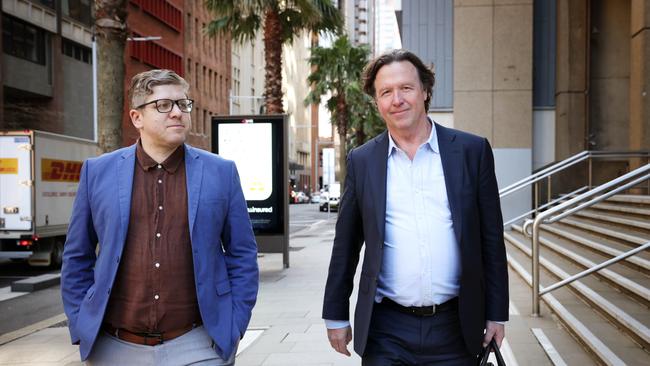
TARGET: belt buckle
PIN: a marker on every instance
(153, 335)
(429, 311)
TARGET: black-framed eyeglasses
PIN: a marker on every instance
(166, 105)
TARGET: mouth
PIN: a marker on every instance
(399, 113)
(176, 126)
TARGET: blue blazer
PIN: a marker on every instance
(468, 166)
(223, 245)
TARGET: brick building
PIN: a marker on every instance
(208, 70)
(169, 34)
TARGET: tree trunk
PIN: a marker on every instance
(360, 134)
(342, 128)
(110, 26)
(273, 63)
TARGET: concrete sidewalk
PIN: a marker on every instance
(286, 328)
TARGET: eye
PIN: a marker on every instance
(164, 104)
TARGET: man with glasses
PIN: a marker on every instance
(175, 277)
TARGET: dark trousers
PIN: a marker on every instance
(397, 338)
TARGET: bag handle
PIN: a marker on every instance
(485, 354)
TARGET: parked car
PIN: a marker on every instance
(301, 197)
(332, 204)
(315, 197)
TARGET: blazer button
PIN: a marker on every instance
(108, 291)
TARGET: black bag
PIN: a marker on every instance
(485, 353)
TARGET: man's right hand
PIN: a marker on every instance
(339, 339)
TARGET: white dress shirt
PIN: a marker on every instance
(421, 256)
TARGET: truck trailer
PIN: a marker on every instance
(39, 176)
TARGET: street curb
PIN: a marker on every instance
(36, 283)
(12, 336)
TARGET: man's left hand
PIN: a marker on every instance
(494, 330)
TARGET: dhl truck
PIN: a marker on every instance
(39, 176)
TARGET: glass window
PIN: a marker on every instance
(79, 10)
(76, 51)
(23, 40)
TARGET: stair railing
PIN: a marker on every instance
(564, 209)
(548, 172)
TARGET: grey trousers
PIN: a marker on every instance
(192, 348)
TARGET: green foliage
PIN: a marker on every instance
(338, 76)
(244, 18)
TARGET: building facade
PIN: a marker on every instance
(208, 69)
(246, 96)
(171, 34)
(542, 80)
(47, 67)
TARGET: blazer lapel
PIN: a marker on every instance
(193, 177)
(378, 165)
(453, 167)
(125, 166)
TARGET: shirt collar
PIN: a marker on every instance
(432, 141)
(170, 164)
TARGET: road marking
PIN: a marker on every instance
(513, 309)
(249, 337)
(12, 336)
(6, 294)
(550, 350)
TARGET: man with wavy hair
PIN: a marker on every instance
(424, 200)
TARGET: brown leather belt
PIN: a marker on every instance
(146, 338)
(421, 310)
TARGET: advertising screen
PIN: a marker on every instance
(255, 145)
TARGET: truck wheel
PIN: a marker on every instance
(57, 254)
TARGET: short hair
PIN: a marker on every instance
(427, 76)
(143, 83)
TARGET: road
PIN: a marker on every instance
(19, 312)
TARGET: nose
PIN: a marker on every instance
(176, 111)
(397, 98)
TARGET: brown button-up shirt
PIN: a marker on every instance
(154, 288)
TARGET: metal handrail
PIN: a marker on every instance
(593, 269)
(549, 216)
(543, 173)
(553, 202)
(566, 163)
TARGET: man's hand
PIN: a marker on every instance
(339, 339)
(494, 330)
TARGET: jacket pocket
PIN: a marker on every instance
(223, 287)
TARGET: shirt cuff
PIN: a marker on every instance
(336, 324)
(498, 322)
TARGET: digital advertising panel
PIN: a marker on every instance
(257, 146)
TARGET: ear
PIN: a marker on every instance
(136, 118)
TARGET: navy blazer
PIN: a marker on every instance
(223, 245)
(468, 166)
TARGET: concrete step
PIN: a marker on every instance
(616, 219)
(561, 303)
(631, 282)
(636, 262)
(607, 231)
(526, 347)
(636, 199)
(625, 209)
(614, 306)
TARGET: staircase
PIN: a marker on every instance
(607, 312)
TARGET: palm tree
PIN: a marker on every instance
(338, 74)
(282, 20)
(110, 33)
